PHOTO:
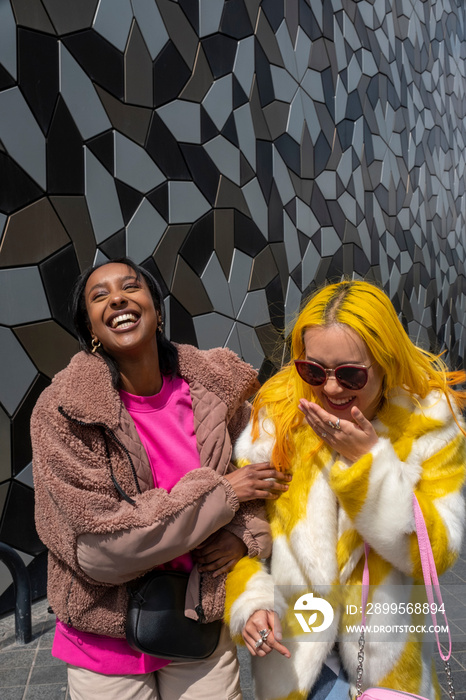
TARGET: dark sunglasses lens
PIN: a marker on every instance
(310, 373)
(352, 377)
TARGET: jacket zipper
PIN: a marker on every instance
(199, 609)
(106, 430)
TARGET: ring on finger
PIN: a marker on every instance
(337, 424)
(264, 634)
(324, 434)
(259, 643)
(332, 425)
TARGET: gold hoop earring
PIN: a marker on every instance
(96, 344)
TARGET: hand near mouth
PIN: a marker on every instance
(351, 439)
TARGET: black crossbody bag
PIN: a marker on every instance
(156, 623)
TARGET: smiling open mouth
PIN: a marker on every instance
(123, 321)
(340, 403)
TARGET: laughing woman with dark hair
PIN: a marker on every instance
(131, 457)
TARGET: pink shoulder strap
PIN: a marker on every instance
(429, 573)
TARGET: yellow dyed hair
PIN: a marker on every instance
(366, 309)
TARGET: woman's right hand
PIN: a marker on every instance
(258, 481)
(259, 621)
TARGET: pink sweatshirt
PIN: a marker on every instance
(165, 425)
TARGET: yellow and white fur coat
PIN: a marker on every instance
(319, 527)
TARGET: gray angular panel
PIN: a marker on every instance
(22, 296)
(226, 157)
(282, 178)
(29, 150)
(287, 50)
(348, 207)
(212, 330)
(139, 88)
(310, 264)
(69, 16)
(246, 136)
(327, 183)
(183, 118)
(102, 199)
(152, 27)
(210, 14)
(186, 203)
(243, 67)
(80, 97)
(134, 166)
(257, 205)
(312, 84)
(284, 85)
(293, 251)
(16, 371)
(296, 118)
(144, 232)
(302, 51)
(7, 39)
(113, 21)
(216, 286)
(251, 349)
(100, 258)
(311, 116)
(240, 273)
(255, 309)
(218, 102)
(305, 219)
(25, 476)
(341, 100)
(232, 341)
(292, 304)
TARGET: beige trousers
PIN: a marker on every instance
(215, 678)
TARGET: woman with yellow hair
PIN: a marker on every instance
(362, 419)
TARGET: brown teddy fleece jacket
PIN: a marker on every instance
(97, 510)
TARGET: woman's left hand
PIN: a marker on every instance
(352, 440)
(219, 552)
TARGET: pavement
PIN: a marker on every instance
(30, 672)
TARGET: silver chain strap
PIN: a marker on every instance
(360, 669)
(451, 690)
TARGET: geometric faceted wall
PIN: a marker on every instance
(243, 151)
